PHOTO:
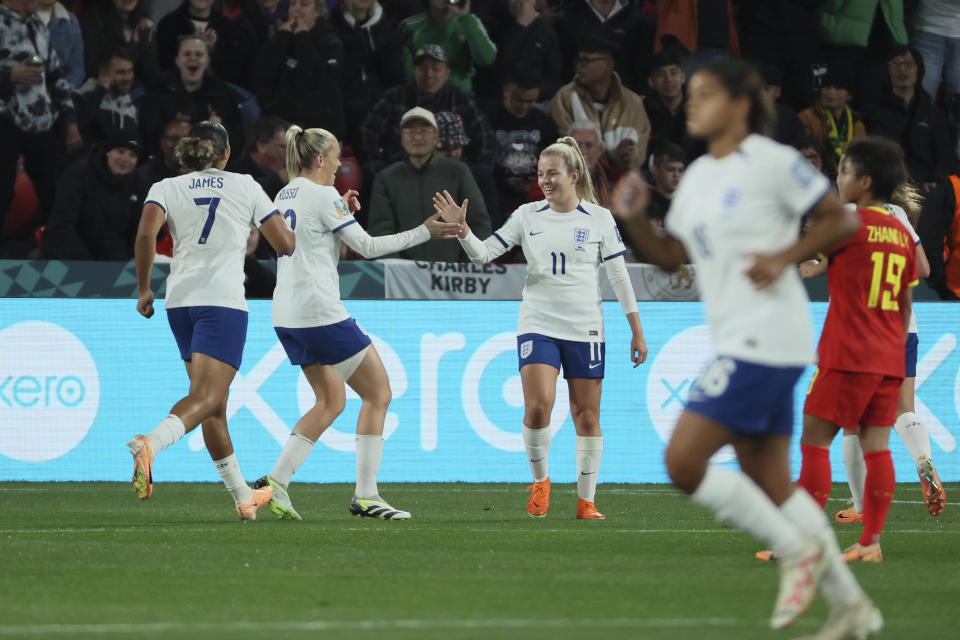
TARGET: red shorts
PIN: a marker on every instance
(849, 399)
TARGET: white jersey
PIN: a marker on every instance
(564, 251)
(901, 215)
(725, 209)
(308, 285)
(209, 214)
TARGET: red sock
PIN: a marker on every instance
(877, 494)
(815, 472)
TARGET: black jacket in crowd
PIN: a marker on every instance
(168, 98)
(920, 128)
(372, 63)
(939, 208)
(95, 214)
(298, 78)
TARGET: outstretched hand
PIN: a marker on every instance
(766, 269)
(353, 202)
(447, 208)
(441, 230)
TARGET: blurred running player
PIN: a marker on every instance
(861, 352)
(314, 327)
(747, 195)
(565, 238)
(209, 213)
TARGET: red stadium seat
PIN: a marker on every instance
(349, 176)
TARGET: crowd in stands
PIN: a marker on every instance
(94, 95)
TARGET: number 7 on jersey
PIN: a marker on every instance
(211, 204)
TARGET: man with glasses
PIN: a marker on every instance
(906, 114)
(403, 192)
(597, 94)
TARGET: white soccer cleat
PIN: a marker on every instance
(799, 575)
(855, 621)
(376, 507)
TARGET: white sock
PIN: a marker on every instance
(166, 433)
(229, 471)
(295, 451)
(856, 468)
(736, 500)
(369, 454)
(914, 435)
(589, 450)
(838, 583)
(537, 444)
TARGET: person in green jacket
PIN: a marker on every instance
(849, 22)
(460, 33)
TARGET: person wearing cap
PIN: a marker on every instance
(380, 139)
(831, 120)
(94, 216)
(460, 33)
(596, 93)
(403, 192)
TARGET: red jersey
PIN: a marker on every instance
(866, 276)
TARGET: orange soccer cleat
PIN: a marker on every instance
(858, 553)
(934, 497)
(539, 502)
(261, 498)
(848, 516)
(142, 466)
(588, 511)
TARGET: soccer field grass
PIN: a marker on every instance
(90, 560)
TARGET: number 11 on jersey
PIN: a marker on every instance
(563, 263)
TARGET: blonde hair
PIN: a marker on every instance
(203, 146)
(304, 145)
(909, 199)
(568, 149)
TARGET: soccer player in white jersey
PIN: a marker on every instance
(209, 212)
(565, 239)
(908, 426)
(744, 198)
(314, 327)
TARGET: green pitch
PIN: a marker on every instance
(92, 561)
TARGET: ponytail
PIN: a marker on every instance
(568, 149)
(303, 146)
(203, 146)
(909, 199)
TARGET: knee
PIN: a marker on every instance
(536, 414)
(586, 422)
(685, 473)
(380, 397)
(332, 401)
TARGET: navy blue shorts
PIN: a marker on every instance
(749, 399)
(913, 340)
(576, 359)
(328, 344)
(218, 332)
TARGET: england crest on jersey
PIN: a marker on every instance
(526, 348)
(580, 236)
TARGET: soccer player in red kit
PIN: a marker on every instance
(861, 363)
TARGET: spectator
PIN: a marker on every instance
(522, 132)
(164, 163)
(666, 106)
(783, 33)
(831, 120)
(904, 113)
(939, 231)
(65, 38)
(457, 31)
(936, 35)
(34, 96)
(298, 75)
(95, 214)
(597, 94)
(191, 93)
(380, 133)
(666, 167)
(371, 59)
(789, 126)
(109, 108)
(618, 22)
(522, 34)
(265, 157)
(811, 148)
(450, 143)
(700, 31)
(233, 43)
(403, 192)
(119, 24)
